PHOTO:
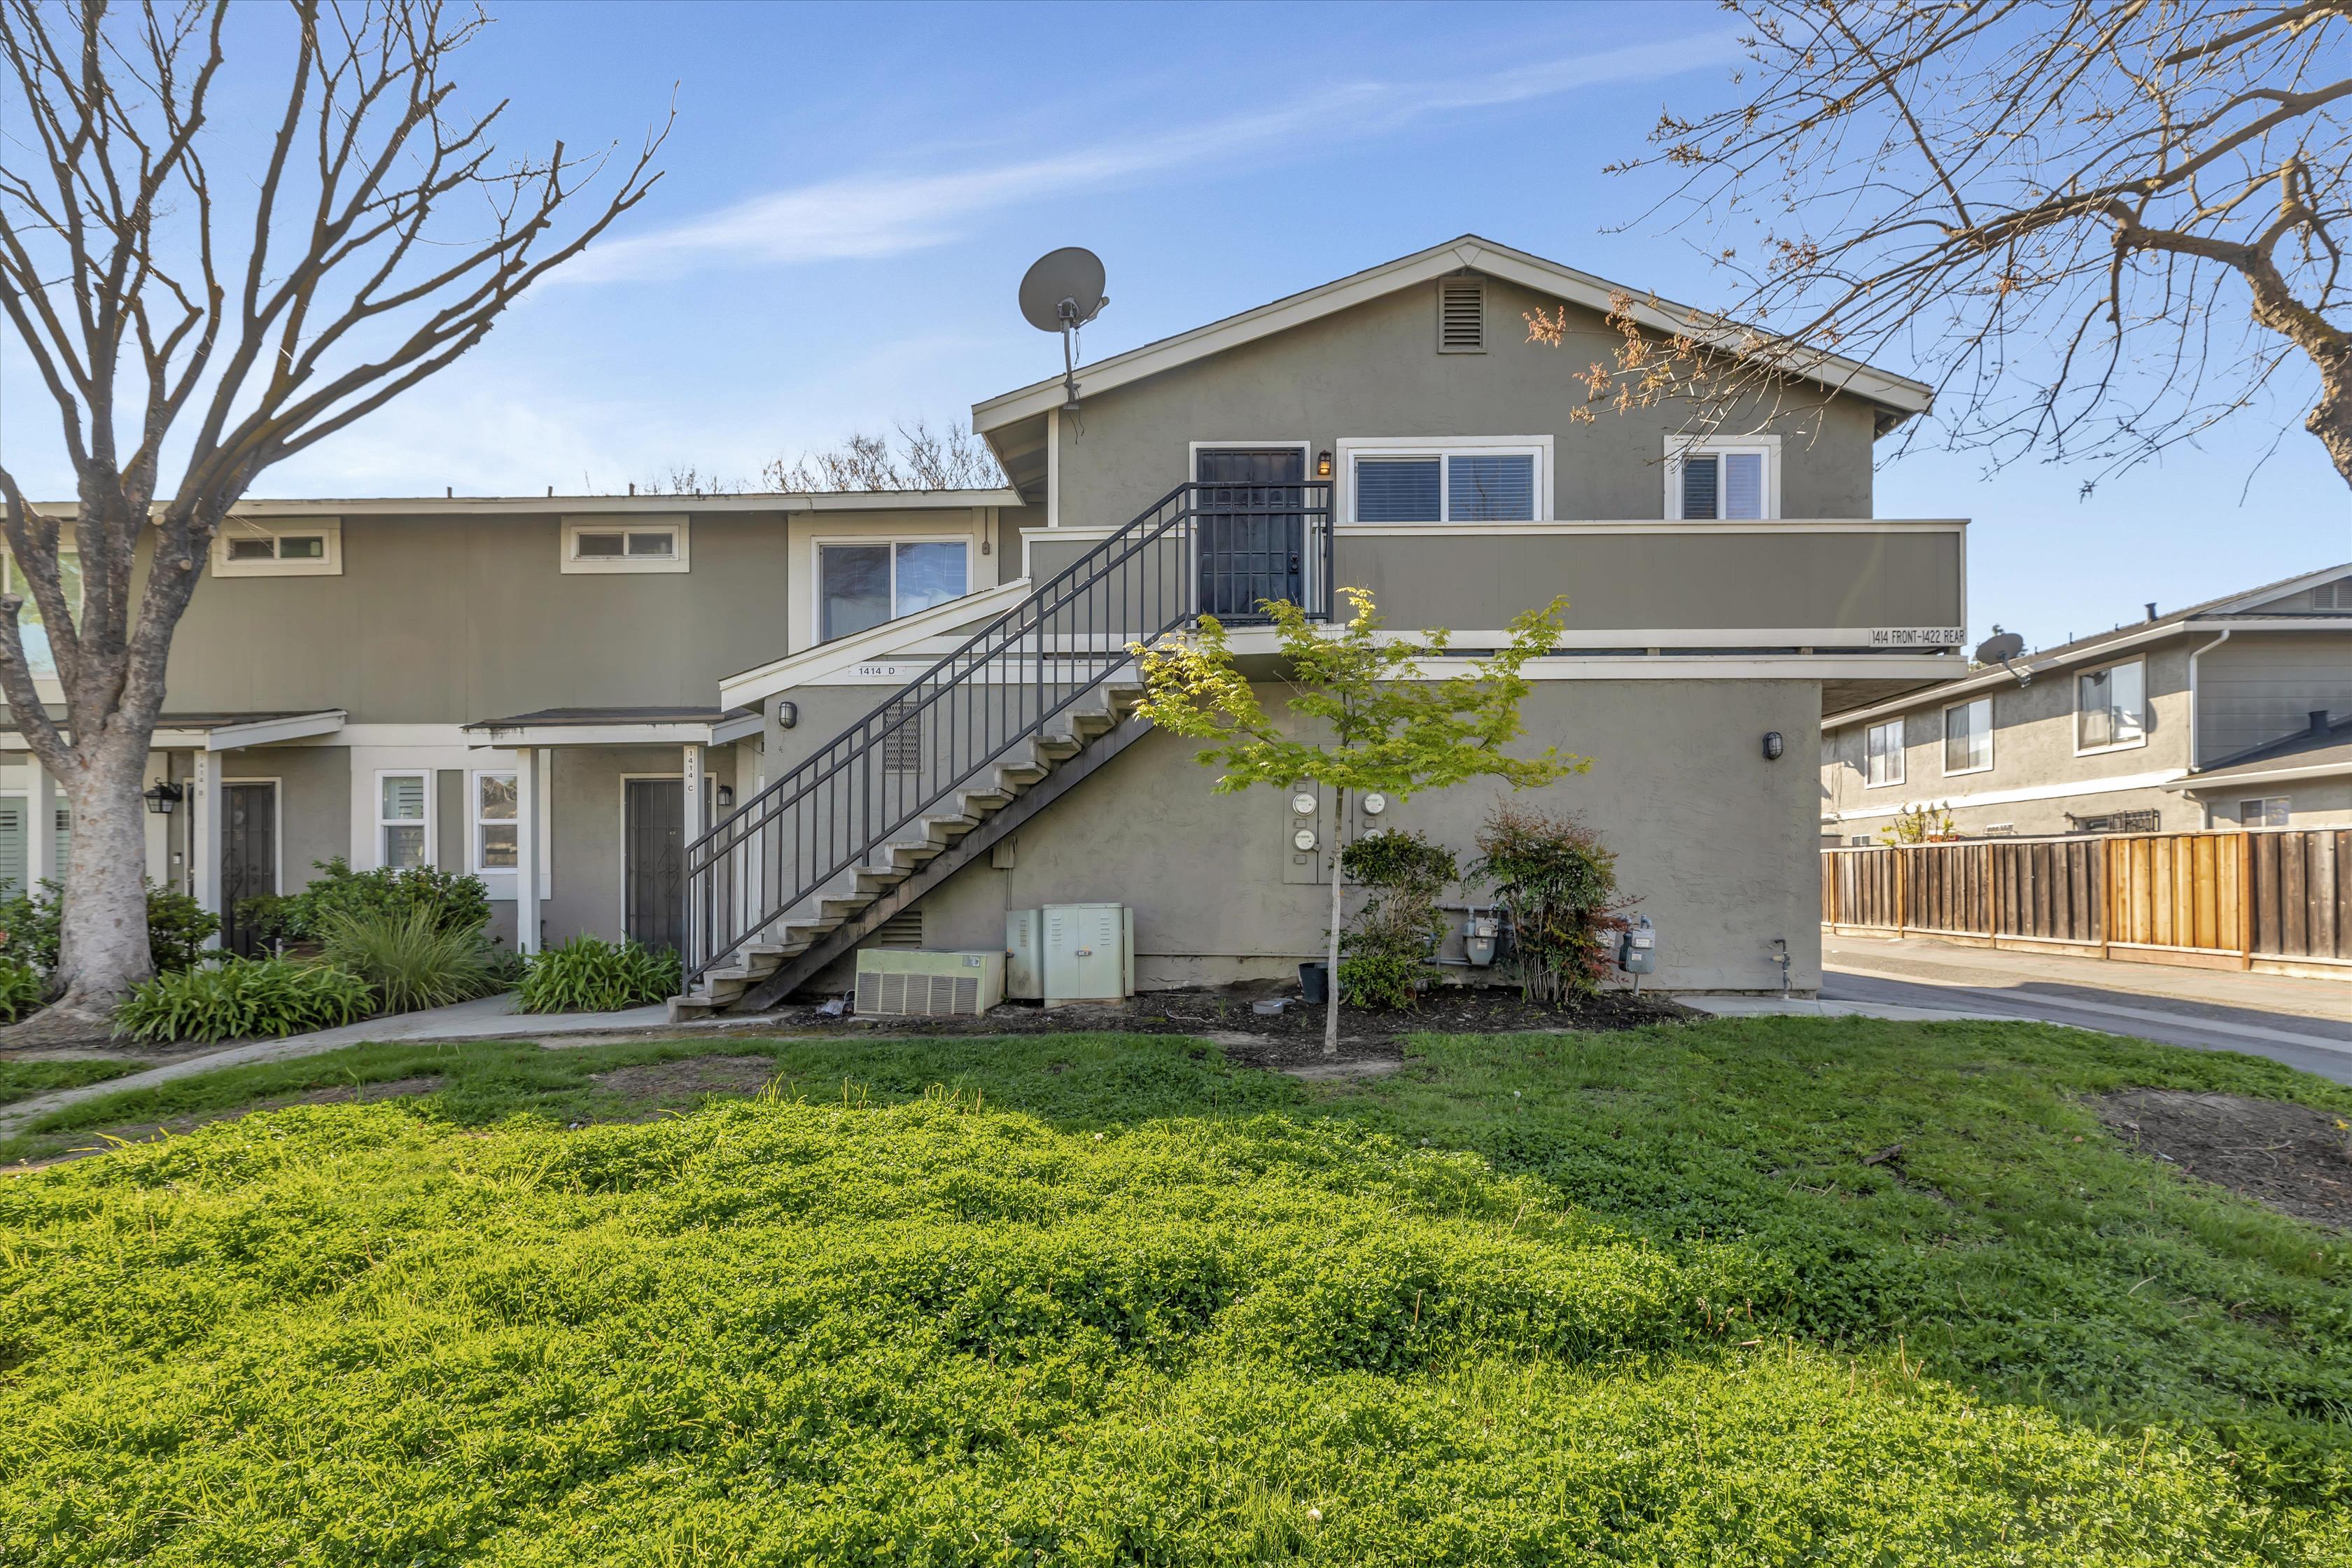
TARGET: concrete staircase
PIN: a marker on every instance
(955, 830)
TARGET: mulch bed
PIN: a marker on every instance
(2292, 1158)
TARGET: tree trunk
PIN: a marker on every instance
(2331, 417)
(1331, 953)
(102, 948)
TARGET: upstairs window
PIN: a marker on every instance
(1882, 750)
(1467, 481)
(279, 547)
(2111, 708)
(28, 619)
(863, 584)
(1722, 480)
(1967, 736)
(593, 545)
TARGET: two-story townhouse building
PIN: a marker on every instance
(501, 686)
(1397, 430)
(2236, 711)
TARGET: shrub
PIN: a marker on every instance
(177, 927)
(20, 989)
(243, 996)
(1383, 956)
(588, 975)
(408, 960)
(1559, 885)
(456, 901)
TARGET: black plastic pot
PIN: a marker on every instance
(1314, 983)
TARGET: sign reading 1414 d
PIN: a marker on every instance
(1915, 637)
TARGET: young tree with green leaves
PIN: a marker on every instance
(1384, 725)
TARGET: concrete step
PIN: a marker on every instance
(694, 1004)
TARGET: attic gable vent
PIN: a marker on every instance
(2337, 596)
(1462, 316)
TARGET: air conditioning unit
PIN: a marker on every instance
(893, 983)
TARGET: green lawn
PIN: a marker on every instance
(24, 1079)
(1088, 1299)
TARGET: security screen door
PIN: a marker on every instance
(248, 858)
(1251, 532)
(655, 862)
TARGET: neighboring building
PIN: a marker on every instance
(908, 714)
(2234, 712)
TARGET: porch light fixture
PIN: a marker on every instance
(1773, 745)
(1322, 465)
(726, 797)
(162, 797)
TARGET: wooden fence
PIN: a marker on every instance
(2267, 898)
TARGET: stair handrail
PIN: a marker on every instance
(710, 940)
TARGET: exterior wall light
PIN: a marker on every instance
(1773, 745)
(162, 797)
(1322, 465)
(788, 713)
(726, 797)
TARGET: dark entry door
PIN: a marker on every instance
(248, 858)
(655, 861)
(1253, 532)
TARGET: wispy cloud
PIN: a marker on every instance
(888, 215)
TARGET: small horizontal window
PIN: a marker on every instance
(1483, 484)
(2269, 811)
(273, 547)
(653, 545)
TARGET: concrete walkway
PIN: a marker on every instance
(487, 1018)
(2305, 1023)
(1824, 1007)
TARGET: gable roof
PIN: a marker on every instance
(2244, 606)
(1899, 396)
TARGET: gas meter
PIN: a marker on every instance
(1478, 939)
(1637, 952)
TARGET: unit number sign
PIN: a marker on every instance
(1915, 637)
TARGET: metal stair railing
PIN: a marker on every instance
(1216, 548)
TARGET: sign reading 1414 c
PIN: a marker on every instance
(1915, 637)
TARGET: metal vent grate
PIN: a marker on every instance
(1462, 316)
(902, 740)
(904, 929)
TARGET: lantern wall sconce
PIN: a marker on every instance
(726, 797)
(1322, 465)
(162, 797)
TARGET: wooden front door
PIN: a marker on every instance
(654, 836)
(248, 858)
(1251, 528)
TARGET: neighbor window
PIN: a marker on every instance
(1882, 753)
(1721, 481)
(1479, 481)
(2268, 812)
(864, 584)
(28, 619)
(279, 547)
(400, 819)
(1967, 736)
(494, 822)
(625, 544)
(2111, 706)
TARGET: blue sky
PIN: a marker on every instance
(852, 193)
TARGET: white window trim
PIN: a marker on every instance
(816, 575)
(330, 528)
(432, 836)
(476, 821)
(1677, 447)
(2146, 700)
(2286, 800)
(1350, 448)
(1983, 767)
(1902, 762)
(573, 563)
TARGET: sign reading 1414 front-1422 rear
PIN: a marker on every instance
(1915, 637)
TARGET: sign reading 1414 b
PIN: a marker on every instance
(1915, 637)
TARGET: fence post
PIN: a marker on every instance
(1902, 890)
(2245, 901)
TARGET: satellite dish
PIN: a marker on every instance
(1062, 292)
(1062, 288)
(2000, 648)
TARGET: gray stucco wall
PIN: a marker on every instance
(314, 802)
(1716, 844)
(1374, 372)
(2260, 686)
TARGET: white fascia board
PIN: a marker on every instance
(2196, 784)
(521, 736)
(2114, 784)
(625, 506)
(1837, 639)
(740, 726)
(264, 731)
(810, 666)
(1531, 272)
